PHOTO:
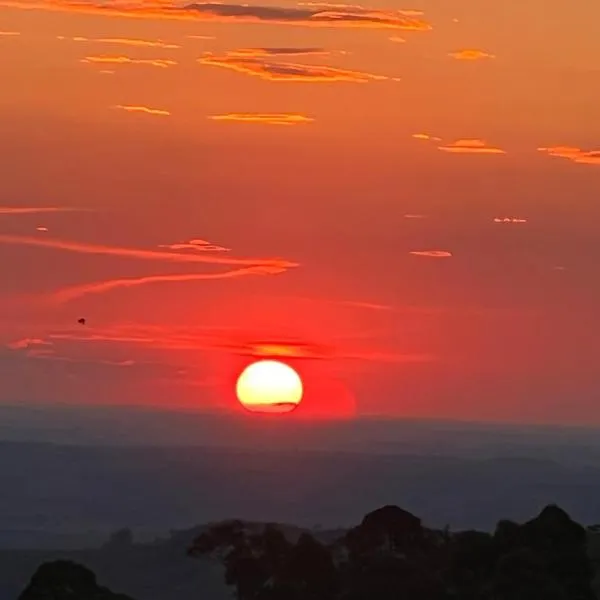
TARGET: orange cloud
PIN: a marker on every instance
(359, 7)
(470, 146)
(574, 154)
(9, 33)
(280, 71)
(509, 220)
(415, 216)
(196, 244)
(134, 253)
(265, 118)
(143, 109)
(201, 37)
(432, 253)
(426, 136)
(470, 55)
(41, 228)
(283, 51)
(31, 210)
(343, 16)
(125, 60)
(139, 43)
(396, 39)
(99, 287)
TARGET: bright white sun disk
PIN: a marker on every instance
(269, 386)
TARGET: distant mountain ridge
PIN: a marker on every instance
(59, 490)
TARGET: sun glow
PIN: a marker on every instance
(269, 386)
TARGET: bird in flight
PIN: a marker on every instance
(81, 321)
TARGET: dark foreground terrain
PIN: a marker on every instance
(389, 555)
(64, 501)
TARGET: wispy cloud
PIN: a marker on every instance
(99, 287)
(197, 245)
(135, 42)
(201, 37)
(284, 71)
(10, 33)
(264, 118)
(342, 16)
(415, 216)
(235, 342)
(141, 254)
(397, 39)
(126, 60)
(365, 305)
(142, 109)
(426, 136)
(407, 12)
(283, 51)
(49, 353)
(31, 210)
(509, 220)
(432, 253)
(471, 55)
(574, 154)
(27, 343)
(470, 146)
(374, 306)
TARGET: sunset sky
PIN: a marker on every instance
(400, 200)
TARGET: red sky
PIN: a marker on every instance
(406, 203)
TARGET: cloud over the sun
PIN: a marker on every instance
(574, 154)
(242, 343)
(287, 71)
(471, 55)
(342, 16)
(470, 146)
(264, 118)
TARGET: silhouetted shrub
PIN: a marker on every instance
(391, 556)
(66, 580)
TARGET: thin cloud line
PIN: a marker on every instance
(30, 210)
(71, 293)
(82, 248)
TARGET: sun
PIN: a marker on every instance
(269, 386)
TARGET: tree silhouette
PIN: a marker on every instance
(66, 580)
(391, 556)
